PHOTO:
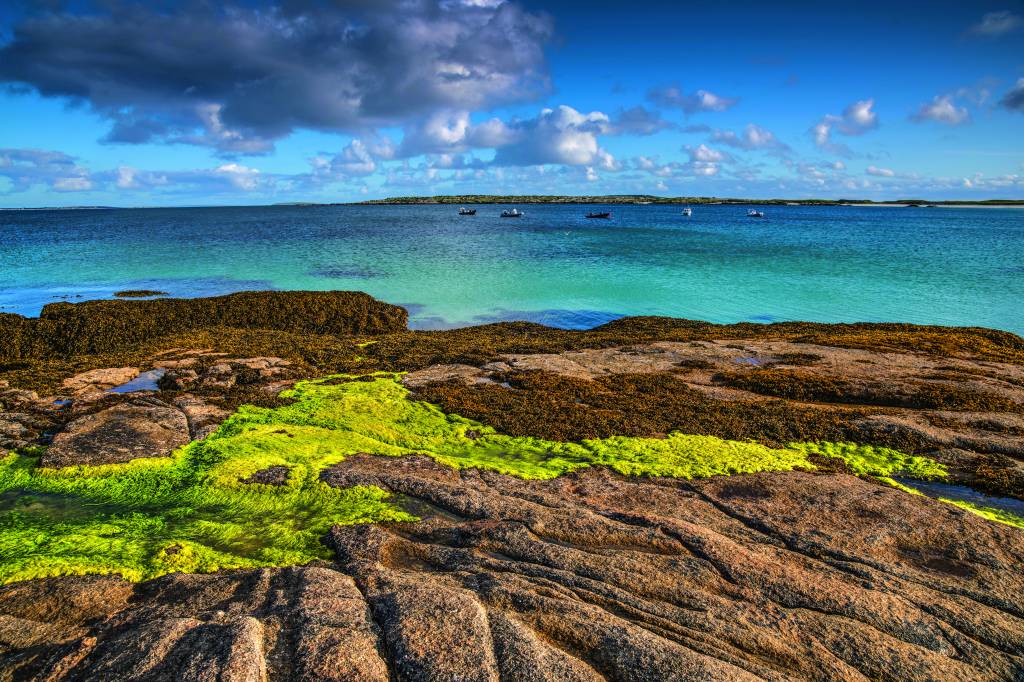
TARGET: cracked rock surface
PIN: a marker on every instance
(586, 577)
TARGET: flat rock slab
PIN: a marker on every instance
(590, 576)
(100, 379)
(119, 434)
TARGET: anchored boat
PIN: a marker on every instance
(513, 213)
(467, 211)
(755, 214)
(687, 211)
(599, 215)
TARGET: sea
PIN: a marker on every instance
(945, 266)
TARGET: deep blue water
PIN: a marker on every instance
(953, 266)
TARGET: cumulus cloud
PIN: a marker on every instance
(561, 135)
(447, 132)
(1014, 97)
(752, 137)
(942, 109)
(857, 119)
(238, 76)
(705, 161)
(672, 96)
(880, 172)
(995, 24)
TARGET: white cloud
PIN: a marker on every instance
(880, 172)
(706, 154)
(857, 119)
(126, 177)
(752, 137)
(561, 135)
(242, 177)
(690, 103)
(74, 184)
(942, 109)
(705, 161)
(995, 24)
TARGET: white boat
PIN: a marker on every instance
(513, 213)
(687, 211)
(755, 214)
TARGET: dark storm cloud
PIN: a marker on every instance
(236, 77)
(1014, 97)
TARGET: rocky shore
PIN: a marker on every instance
(183, 495)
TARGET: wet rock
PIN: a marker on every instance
(126, 431)
(273, 475)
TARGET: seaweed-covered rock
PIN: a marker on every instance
(68, 329)
(134, 429)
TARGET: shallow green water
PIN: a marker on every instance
(940, 265)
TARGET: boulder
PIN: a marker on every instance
(203, 418)
(100, 379)
(16, 430)
(138, 428)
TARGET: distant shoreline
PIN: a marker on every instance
(613, 199)
(643, 199)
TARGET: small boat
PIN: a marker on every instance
(755, 214)
(687, 211)
(467, 211)
(599, 215)
(513, 213)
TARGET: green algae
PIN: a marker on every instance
(192, 512)
(879, 462)
(990, 513)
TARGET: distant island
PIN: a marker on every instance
(651, 199)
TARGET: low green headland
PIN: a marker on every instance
(195, 512)
(652, 199)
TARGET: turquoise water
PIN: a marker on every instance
(938, 266)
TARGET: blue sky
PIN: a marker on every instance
(206, 103)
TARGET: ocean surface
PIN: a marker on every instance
(951, 266)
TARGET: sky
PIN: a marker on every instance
(199, 103)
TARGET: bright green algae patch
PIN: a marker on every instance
(191, 512)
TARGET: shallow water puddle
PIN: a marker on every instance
(53, 507)
(962, 493)
(146, 381)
